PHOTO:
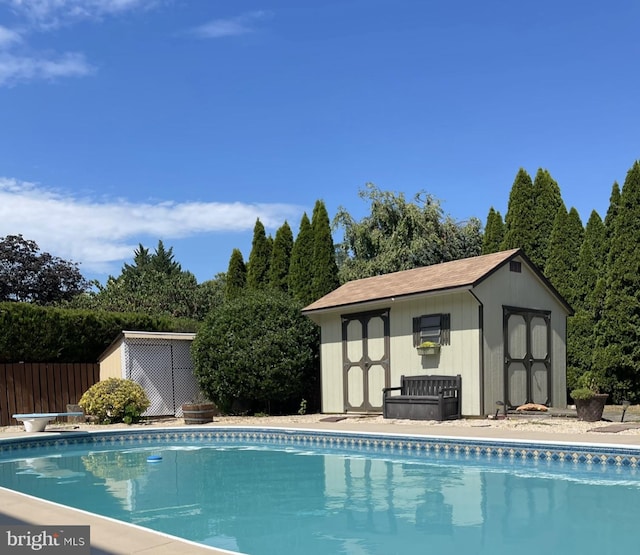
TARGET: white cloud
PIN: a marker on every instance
(102, 234)
(52, 13)
(8, 37)
(15, 68)
(239, 25)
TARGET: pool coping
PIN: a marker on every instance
(109, 536)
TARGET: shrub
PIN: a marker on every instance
(115, 400)
(257, 352)
(582, 393)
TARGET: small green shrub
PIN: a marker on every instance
(115, 400)
(582, 393)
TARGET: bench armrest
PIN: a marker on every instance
(386, 390)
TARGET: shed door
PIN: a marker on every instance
(527, 360)
(365, 360)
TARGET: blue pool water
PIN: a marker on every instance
(274, 497)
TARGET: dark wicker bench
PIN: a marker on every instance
(424, 398)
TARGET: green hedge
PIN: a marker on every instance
(31, 333)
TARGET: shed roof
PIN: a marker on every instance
(457, 274)
(164, 335)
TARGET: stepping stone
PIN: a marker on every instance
(615, 428)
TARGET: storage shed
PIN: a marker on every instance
(495, 320)
(160, 362)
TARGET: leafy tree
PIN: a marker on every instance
(325, 270)
(300, 286)
(281, 258)
(236, 279)
(493, 232)
(28, 275)
(258, 267)
(564, 250)
(399, 235)
(154, 284)
(257, 352)
(617, 353)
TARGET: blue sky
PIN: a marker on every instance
(128, 121)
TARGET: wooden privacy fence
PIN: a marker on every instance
(42, 387)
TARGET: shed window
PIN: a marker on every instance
(431, 327)
(515, 266)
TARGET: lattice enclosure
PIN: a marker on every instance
(164, 369)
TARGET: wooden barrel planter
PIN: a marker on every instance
(198, 413)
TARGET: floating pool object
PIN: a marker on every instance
(154, 458)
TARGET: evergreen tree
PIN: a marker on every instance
(236, 278)
(591, 261)
(546, 203)
(258, 267)
(162, 260)
(141, 261)
(493, 232)
(564, 250)
(301, 269)
(617, 354)
(581, 326)
(325, 269)
(531, 215)
(518, 222)
(612, 212)
(281, 258)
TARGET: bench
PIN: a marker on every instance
(37, 421)
(424, 398)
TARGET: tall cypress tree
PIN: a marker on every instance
(325, 269)
(301, 269)
(564, 250)
(236, 278)
(612, 212)
(617, 354)
(493, 232)
(598, 296)
(258, 267)
(581, 326)
(281, 258)
(591, 261)
(518, 221)
(546, 203)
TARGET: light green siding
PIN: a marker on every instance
(522, 290)
(475, 350)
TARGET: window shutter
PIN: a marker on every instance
(416, 331)
(445, 328)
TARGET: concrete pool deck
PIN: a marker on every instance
(112, 537)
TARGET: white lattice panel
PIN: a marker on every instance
(164, 370)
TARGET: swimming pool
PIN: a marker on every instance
(267, 491)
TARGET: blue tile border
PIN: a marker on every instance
(569, 455)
